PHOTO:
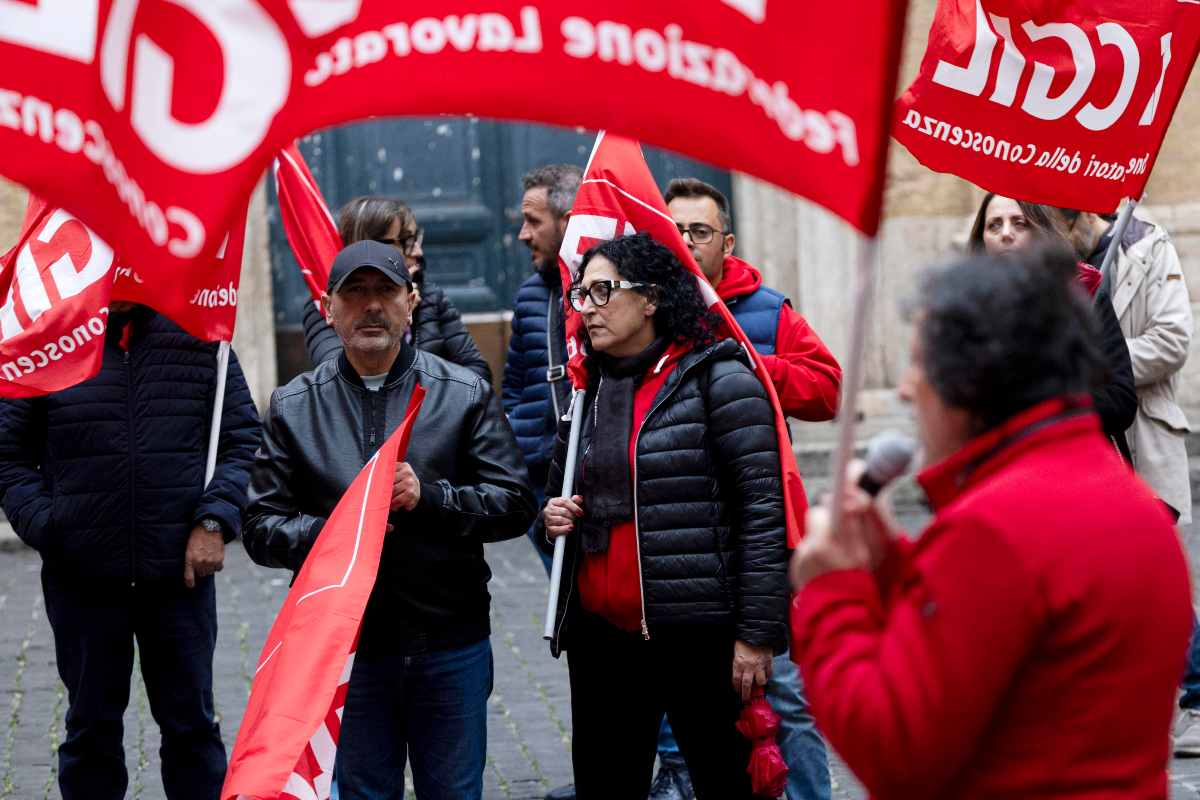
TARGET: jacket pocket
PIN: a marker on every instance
(1157, 403)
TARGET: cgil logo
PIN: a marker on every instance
(221, 297)
(1038, 100)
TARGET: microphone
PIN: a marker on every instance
(888, 456)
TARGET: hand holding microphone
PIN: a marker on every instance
(863, 536)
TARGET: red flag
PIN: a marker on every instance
(1063, 102)
(287, 742)
(618, 197)
(307, 222)
(55, 283)
(154, 121)
(202, 299)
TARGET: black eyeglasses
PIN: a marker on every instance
(698, 232)
(600, 292)
(407, 244)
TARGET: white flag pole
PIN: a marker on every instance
(214, 433)
(864, 299)
(1110, 255)
(576, 414)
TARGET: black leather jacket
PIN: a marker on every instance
(710, 516)
(325, 425)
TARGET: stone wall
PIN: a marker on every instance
(809, 254)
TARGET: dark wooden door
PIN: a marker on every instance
(462, 178)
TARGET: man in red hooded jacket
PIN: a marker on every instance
(807, 378)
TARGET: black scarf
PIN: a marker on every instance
(605, 481)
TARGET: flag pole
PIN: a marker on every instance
(864, 299)
(214, 432)
(576, 415)
(1110, 255)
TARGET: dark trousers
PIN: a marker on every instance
(431, 705)
(621, 685)
(176, 632)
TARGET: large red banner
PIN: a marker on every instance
(58, 281)
(287, 743)
(618, 197)
(153, 119)
(307, 223)
(1056, 101)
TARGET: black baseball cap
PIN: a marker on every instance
(368, 253)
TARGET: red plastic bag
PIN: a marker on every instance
(767, 769)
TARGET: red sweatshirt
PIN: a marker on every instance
(1028, 645)
(610, 583)
(806, 375)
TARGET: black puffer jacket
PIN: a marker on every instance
(437, 328)
(105, 479)
(710, 516)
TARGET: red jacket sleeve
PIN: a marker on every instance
(806, 375)
(904, 690)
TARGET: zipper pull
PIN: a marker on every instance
(645, 630)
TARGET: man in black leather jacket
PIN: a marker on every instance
(423, 670)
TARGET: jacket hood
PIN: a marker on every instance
(738, 280)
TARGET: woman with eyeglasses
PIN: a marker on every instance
(436, 325)
(674, 593)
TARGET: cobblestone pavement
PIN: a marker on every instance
(528, 728)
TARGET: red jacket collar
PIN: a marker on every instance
(988, 452)
(738, 279)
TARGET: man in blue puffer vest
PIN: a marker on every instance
(807, 378)
(106, 481)
(535, 387)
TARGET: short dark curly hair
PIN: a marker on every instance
(998, 335)
(681, 314)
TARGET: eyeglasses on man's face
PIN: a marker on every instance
(698, 232)
(600, 292)
(407, 244)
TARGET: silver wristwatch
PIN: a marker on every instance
(211, 525)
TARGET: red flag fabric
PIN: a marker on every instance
(310, 229)
(760, 724)
(201, 299)
(154, 121)
(55, 283)
(1063, 102)
(287, 742)
(618, 197)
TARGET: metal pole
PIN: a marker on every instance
(214, 433)
(864, 299)
(576, 414)
(1110, 255)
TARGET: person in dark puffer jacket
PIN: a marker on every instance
(674, 578)
(535, 390)
(106, 481)
(437, 326)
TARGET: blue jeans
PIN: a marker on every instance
(802, 746)
(540, 497)
(432, 705)
(1191, 678)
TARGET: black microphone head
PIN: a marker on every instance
(888, 455)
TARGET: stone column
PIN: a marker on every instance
(254, 335)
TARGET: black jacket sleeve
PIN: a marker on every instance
(500, 504)
(742, 432)
(23, 490)
(225, 496)
(459, 346)
(274, 531)
(320, 340)
(1116, 398)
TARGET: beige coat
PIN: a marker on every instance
(1151, 301)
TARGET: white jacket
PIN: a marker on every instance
(1151, 301)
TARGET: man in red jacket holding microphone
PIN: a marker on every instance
(969, 663)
